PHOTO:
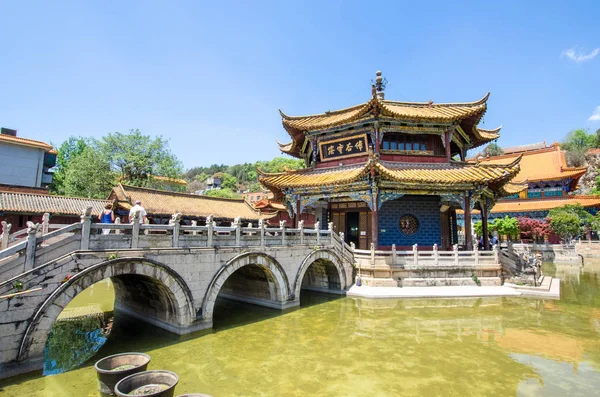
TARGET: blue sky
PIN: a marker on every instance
(211, 76)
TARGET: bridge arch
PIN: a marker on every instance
(138, 281)
(332, 270)
(272, 270)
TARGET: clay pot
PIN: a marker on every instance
(149, 381)
(108, 377)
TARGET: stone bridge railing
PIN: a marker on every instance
(39, 248)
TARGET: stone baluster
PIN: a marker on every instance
(45, 223)
(174, 221)
(436, 255)
(330, 228)
(476, 253)
(394, 254)
(32, 230)
(194, 224)
(262, 225)
(5, 233)
(352, 246)
(341, 247)
(301, 227)
(282, 227)
(455, 249)
(237, 223)
(135, 232)
(372, 254)
(209, 233)
(318, 232)
(86, 227)
(146, 231)
(415, 255)
(496, 249)
(118, 222)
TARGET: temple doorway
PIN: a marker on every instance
(352, 232)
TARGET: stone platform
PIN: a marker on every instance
(550, 289)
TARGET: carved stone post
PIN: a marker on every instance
(194, 224)
(118, 222)
(496, 254)
(174, 221)
(209, 234)
(372, 254)
(436, 255)
(341, 247)
(394, 254)
(5, 233)
(146, 231)
(301, 227)
(415, 255)
(352, 246)
(45, 223)
(32, 230)
(282, 227)
(318, 232)
(86, 227)
(455, 249)
(261, 226)
(476, 253)
(135, 233)
(330, 228)
(237, 223)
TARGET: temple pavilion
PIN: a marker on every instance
(387, 172)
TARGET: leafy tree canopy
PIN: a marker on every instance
(222, 193)
(137, 157)
(493, 149)
(67, 151)
(89, 175)
(569, 221)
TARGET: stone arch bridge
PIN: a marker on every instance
(167, 275)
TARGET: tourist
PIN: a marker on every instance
(107, 216)
(137, 207)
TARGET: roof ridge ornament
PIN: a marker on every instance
(379, 86)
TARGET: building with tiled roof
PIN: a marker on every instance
(25, 162)
(384, 171)
(160, 205)
(550, 182)
(17, 208)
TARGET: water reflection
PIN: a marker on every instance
(361, 347)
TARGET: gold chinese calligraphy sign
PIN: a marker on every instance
(342, 148)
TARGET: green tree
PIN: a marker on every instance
(570, 220)
(579, 139)
(229, 182)
(137, 157)
(493, 149)
(507, 226)
(67, 152)
(89, 175)
(222, 193)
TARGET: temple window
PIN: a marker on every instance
(512, 196)
(404, 142)
(534, 193)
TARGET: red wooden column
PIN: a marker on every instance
(375, 222)
(468, 235)
(484, 224)
(447, 140)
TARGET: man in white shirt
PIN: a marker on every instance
(136, 207)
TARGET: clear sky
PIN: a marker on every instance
(210, 76)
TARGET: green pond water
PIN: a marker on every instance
(360, 347)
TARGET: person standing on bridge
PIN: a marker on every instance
(107, 216)
(136, 207)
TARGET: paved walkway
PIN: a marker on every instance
(455, 292)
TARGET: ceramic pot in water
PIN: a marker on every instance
(157, 383)
(112, 369)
